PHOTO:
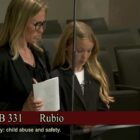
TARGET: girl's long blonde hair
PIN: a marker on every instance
(93, 66)
(17, 16)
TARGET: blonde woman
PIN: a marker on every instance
(22, 61)
(91, 92)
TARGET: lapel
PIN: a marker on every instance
(20, 71)
(88, 87)
(39, 56)
(77, 88)
(91, 85)
(22, 74)
(79, 92)
(91, 92)
(87, 82)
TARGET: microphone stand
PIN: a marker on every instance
(73, 54)
(73, 63)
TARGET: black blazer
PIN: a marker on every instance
(90, 101)
(15, 80)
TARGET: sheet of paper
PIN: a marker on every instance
(48, 92)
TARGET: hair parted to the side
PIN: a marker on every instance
(83, 31)
(17, 16)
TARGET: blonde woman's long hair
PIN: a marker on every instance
(93, 66)
(17, 16)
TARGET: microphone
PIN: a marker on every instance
(87, 83)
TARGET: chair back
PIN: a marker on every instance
(53, 29)
(128, 61)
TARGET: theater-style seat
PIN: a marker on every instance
(98, 25)
(126, 99)
(50, 46)
(115, 38)
(128, 61)
(53, 29)
(128, 132)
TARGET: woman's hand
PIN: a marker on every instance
(31, 104)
